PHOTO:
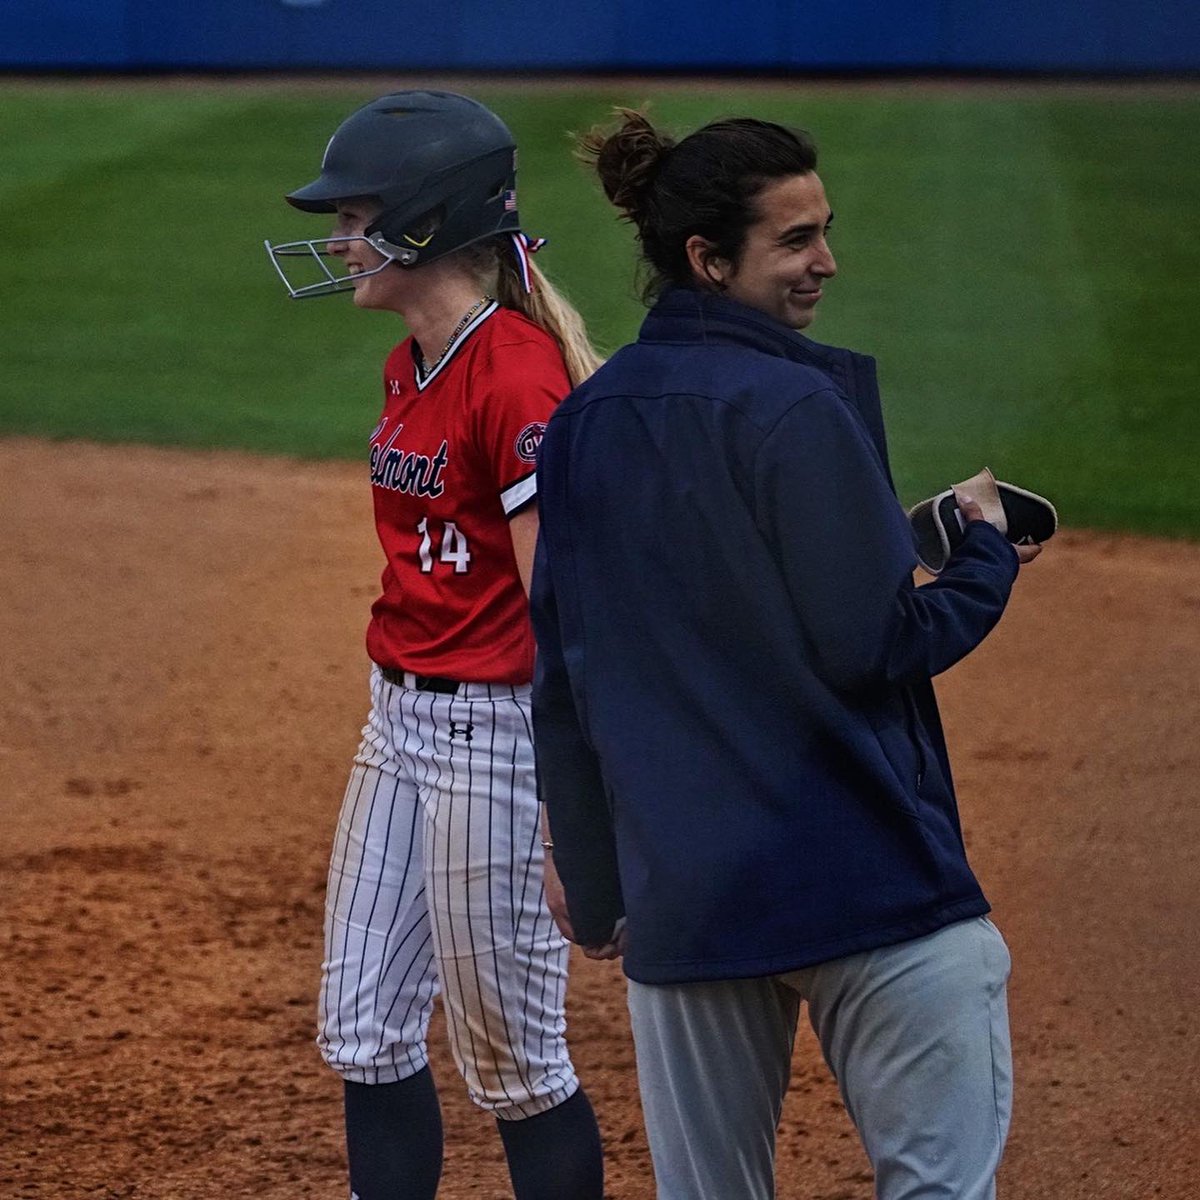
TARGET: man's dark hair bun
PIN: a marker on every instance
(705, 186)
(626, 159)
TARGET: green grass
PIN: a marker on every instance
(1023, 269)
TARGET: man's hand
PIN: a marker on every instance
(556, 901)
(612, 949)
(972, 512)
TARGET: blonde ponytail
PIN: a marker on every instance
(547, 307)
(494, 265)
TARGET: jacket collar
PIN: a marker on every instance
(686, 316)
(690, 315)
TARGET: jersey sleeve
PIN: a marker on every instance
(512, 400)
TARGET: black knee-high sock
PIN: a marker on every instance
(394, 1138)
(556, 1155)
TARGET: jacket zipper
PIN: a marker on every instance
(910, 710)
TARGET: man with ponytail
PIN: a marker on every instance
(737, 739)
(439, 879)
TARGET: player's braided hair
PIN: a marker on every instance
(705, 184)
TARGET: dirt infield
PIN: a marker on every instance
(184, 684)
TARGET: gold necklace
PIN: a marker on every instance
(480, 303)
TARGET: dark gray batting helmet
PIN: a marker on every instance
(444, 167)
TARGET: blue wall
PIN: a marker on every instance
(1037, 35)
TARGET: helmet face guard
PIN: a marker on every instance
(296, 262)
(442, 167)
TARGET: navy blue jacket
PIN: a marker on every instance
(736, 735)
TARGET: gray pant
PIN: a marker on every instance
(915, 1034)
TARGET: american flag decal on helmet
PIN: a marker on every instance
(510, 199)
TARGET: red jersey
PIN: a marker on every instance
(452, 459)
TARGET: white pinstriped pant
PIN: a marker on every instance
(436, 879)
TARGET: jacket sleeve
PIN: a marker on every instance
(846, 551)
(569, 779)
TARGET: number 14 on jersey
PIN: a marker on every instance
(454, 549)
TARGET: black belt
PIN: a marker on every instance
(422, 683)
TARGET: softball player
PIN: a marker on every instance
(438, 880)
